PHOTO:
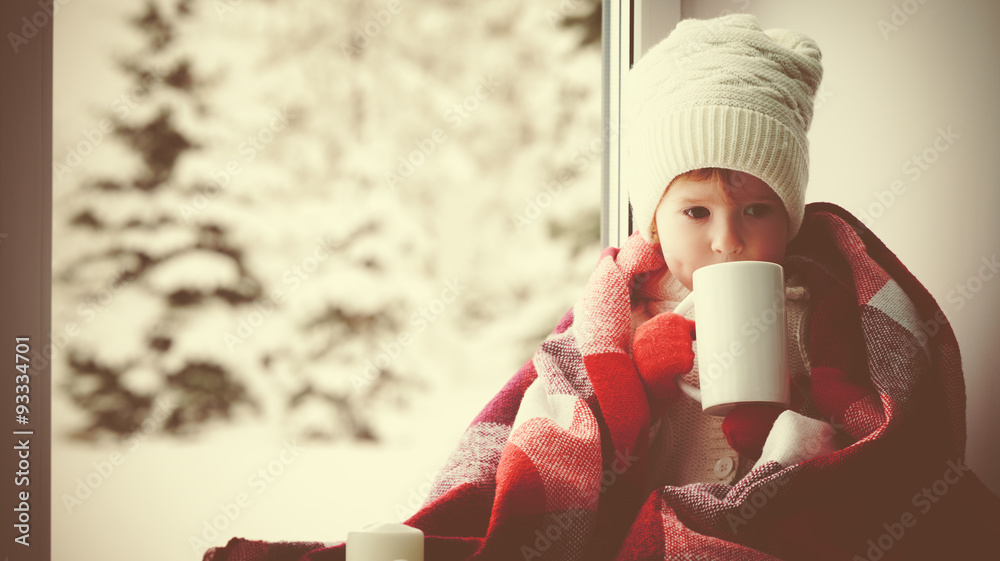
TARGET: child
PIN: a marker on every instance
(590, 452)
(717, 165)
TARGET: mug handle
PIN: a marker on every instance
(694, 393)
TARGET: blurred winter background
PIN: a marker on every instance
(297, 245)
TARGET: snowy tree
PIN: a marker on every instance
(311, 212)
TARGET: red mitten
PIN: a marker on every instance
(662, 350)
(746, 427)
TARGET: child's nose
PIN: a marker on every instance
(727, 240)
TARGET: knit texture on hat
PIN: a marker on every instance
(721, 93)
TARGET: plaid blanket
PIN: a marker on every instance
(553, 467)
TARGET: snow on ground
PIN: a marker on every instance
(164, 496)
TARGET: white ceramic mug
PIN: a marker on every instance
(385, 542)
(740, 335)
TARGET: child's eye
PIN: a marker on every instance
(697, 209)
(759, 210)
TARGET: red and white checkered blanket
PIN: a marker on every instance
(553, 467)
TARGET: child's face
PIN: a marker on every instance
(706, 222)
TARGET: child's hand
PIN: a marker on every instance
(662, 350)
(746, 427)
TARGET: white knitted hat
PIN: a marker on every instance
(721, 93)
